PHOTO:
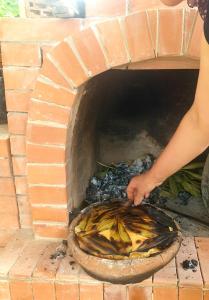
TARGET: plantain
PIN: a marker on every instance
(118, 231)
(144, 254)
(82, 224)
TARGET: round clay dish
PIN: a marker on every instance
(120, 271)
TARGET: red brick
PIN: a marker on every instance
(21, 185)
(138, 37)
(66, 290)
(28, 54)
(115, 292)
(43, 111)
(69, 63)
(4, 290)
(7, 187)
(48, 195)
(46, 48)
(153, 25)
(55, 231)
(17, 144)
(105, 8)
(90, 51)
(202, 245)
(68, 271)
(5, 237)
(20, 78)
(190, 293)
(20, 29)
(19, 165)
(13, 250)
(188, 278)
(45, 269)
(17, 123)
(195, 41)
(24, 211)
(21, 290)
(25, 264)
(205, 293)
(17, 101)
(137, 292)
(43, 291)
(4, 146)
(165, 292)
(52, 214)
(45, 154)
(50, 71)
(91, 291)
(5, 168)
(189, 21)
(47, 174)
(42, 134)
(9, 221)
(53, 94)
(167, 275)
(8, 205)
(113, 42)
(25, 221)
(170, 32)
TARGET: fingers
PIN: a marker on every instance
(130, 193)
(138, 197)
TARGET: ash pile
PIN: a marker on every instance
(110, 182)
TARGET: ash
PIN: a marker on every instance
(111, 181)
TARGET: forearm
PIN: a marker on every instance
(192, 135)
(190, 139)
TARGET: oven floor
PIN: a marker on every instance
(28, 271)
(195, 209)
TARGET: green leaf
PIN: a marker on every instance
(194, 175)
(191, 188)
(165, 194)
(101, 174)
(193, 166)
(173, 186)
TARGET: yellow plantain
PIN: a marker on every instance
(117, 231)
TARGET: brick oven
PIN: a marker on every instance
(52, 69)
(118, 43)
(45, 87)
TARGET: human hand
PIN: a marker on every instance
(140, 187)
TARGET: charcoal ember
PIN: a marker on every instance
(112, 182)
(184, 197)
(155, 199)
(162, 202)
(189, 264)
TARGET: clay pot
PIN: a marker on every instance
(120, 271)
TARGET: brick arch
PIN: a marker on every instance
(116, 42)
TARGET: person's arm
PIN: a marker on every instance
(190, 139)
(171, 2)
